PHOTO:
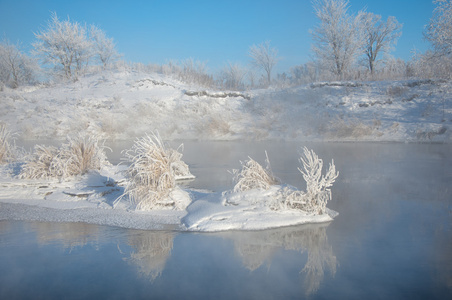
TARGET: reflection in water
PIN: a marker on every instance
(320, 257)
(258, 247)
(70, 235)
(151, 251)
(254, 255)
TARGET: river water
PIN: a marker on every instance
(391, 240)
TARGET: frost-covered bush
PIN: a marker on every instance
(318, 191)
(313, 200)
(253, 176)
(6, 148)
(76, 157)
(152, 174)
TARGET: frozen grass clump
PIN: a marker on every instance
(152, 174)
(253, 176)
(44, 163)
(76, 157)
(6, 148)
(313, 200)
(84, 153)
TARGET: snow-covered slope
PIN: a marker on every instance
(124, 105)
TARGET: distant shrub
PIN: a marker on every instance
(76, 157)
(152, 173)
(394, 91)
(354, 128)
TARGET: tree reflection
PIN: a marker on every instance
(69, 235)
(151, 250)
(258, 247)
(320, 258)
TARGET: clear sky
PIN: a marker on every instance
(215, 31)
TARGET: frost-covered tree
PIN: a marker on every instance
(103, 47)
(306, 73)
(195, 71)
(380, 36)
(264, 57)
(16, 68)
(439, 30)
(232, 76)
(338, 38)
(430, 65)
(65, 45)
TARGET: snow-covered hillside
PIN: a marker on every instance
(124, 105)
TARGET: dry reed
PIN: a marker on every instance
(45, 162)
(253, 176)
(76, 157)
(152, 173)
(84, 153)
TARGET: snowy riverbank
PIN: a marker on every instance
(126, 105)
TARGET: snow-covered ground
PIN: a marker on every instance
(125, 105)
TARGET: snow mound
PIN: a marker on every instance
(247, 210)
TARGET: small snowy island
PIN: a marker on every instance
(76, 183)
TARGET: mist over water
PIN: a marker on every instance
(391, 240)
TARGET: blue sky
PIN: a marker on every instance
(215, 31)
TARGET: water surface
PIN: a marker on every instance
(392, 239)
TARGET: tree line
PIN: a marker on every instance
(346, 46)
